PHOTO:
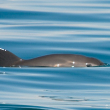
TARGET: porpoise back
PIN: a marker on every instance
(8, 59)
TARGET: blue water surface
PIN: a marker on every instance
(33, 28)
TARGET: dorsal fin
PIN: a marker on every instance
(7, 58)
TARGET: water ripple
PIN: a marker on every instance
(35, 28)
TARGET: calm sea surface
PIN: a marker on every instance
(33, 28)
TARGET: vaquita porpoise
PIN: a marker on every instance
(8, 59)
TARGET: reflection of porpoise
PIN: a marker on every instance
(8, 59)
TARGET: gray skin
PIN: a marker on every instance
(60, 60)
(8, 59)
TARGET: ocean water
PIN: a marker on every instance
(33, 28)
